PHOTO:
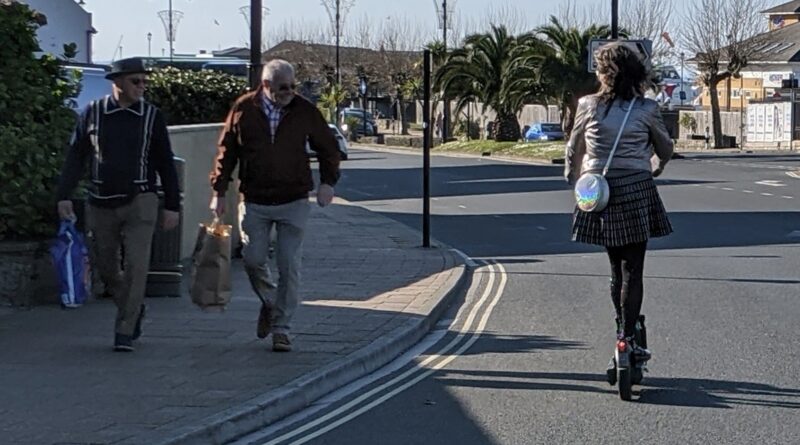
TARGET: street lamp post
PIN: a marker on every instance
(171, 33)
(338, 18)
(614, 19)
(446, 113)
(256, 11)
(362, 88)
(149, 41)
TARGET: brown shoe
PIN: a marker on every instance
(281, 343)
(264, 321)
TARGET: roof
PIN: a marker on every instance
(778, 46)
(313, 61)
(792, 7)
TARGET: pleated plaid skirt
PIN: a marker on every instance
(634, 214)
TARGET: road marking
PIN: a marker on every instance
(422, 368)
(711, 187)
(747, 164)
(794, 174)
(462, 207)
(771, 183)
(748, 191)
(727, 188)
(787, 197)
(767, 194)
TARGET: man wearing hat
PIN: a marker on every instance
(124, 141)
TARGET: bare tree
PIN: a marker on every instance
(362, 33)
(295, 29)
(344, 9)
(571, 15)
(724, 35)
(650, 19)
(506, 14)
(402, 33)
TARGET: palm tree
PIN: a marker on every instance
(564, 63)
(490, 68)
(330, 100)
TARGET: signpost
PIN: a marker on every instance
(643, 47)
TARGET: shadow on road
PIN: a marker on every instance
(678, 391)
(368, 184)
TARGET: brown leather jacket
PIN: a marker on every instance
(278, 172)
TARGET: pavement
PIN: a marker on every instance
(370, 292)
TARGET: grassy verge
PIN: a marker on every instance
(535, 150)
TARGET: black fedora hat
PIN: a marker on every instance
(132, 65)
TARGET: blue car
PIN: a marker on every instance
(544, 132)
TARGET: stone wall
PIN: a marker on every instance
(19, 271)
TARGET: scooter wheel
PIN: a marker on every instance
(637, 376)
(624, 382)
(611, 372)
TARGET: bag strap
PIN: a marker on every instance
(619, 135)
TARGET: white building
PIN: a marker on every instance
(67, 22)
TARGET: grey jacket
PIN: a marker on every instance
(594, 133)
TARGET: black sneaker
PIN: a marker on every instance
(137, 330)
(123, 343)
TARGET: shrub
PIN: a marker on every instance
(353, 123)
(688, 122)
(461, 129)
(35, 125)
(193, 97)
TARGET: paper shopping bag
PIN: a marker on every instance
(211, 271)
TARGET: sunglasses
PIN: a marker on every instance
(285, 88)
(138, 81)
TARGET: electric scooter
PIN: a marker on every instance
(625, 370)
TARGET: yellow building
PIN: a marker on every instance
(776, 59)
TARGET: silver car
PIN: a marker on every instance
(341, 143)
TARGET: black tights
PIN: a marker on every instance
(627, 288)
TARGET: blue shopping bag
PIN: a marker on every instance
(71, 261)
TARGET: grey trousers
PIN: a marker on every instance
(131, 227)
(290, 222)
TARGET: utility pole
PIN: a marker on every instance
(338, 18)
(614, 19)
(255, 43)
(426, 149)
(446, 113)
(338, 72)
(683, 94)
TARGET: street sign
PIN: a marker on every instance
(643, 47)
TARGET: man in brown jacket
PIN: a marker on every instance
(266, 133)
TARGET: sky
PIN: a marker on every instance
(217, 24)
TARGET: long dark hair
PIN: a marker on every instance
(621, 73)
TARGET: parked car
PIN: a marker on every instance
(359, 113)
(544, 132)
(341, 142)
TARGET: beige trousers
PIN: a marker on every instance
(130, 227)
